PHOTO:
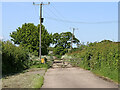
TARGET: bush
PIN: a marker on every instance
(58, 56)
(37, 64)
(14, 58)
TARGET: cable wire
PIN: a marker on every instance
(57, 11)
(81, 22)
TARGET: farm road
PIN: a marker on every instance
(74, 78)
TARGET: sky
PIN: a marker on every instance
(94, 21)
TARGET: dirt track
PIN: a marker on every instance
(74, 78)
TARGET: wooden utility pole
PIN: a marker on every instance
(73, 36)
(41, 21)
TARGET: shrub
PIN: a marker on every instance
(14, 58)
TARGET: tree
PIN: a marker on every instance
(28, 37)
(62, 42)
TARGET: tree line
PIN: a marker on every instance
(25, 42)
(27, 36)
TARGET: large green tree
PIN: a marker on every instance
(62, 42)
(28, 37)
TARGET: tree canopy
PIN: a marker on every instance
(62, 42)
(28, 37)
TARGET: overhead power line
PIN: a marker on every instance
(61, 18)
(52, 12)
(57, 10)
(81, 22)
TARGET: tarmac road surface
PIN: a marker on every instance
(74, 78)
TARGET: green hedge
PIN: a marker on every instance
(14, 58)
(101, 58)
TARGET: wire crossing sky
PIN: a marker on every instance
(67, 21)
(96, 21)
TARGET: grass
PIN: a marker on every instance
(38, 81)
(40, 66)
(113, 75)
(58, 56)
(47, 65)
(32, 79)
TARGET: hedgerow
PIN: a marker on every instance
(14, 58)
(101, 58)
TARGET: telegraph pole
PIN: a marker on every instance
(73, 36)
(41, 21)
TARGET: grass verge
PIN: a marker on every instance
(38, 81)
(111, 76)
(33, 78)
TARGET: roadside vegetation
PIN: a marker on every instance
(18, 54)
(99, 57)
(38, 82)
(30, 78)
(14, 59)
(38, 64)
(20, 69)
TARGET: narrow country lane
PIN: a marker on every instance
(74, 78)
